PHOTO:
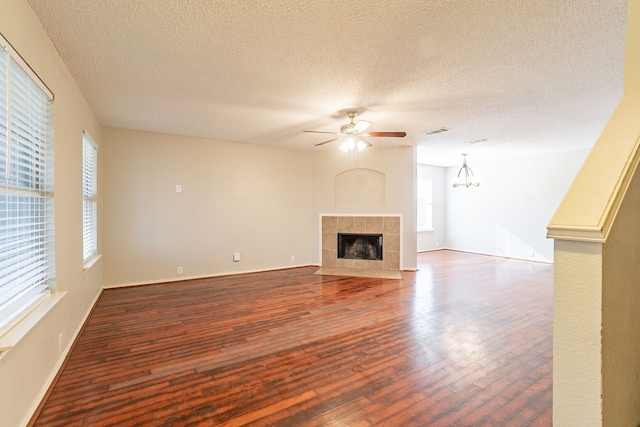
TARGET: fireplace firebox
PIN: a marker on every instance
(360, 246)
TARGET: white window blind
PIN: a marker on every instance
(425, 204)
(27, 264)
(89, 198)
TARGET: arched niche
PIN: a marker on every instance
(360, 189)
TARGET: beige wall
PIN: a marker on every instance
(577, 323)
(398, 165)
(621, 315)
(235, 197)
(27, 369)
(263, 202)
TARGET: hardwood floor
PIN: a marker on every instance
(466, 341)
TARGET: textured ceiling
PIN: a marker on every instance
(530, 77)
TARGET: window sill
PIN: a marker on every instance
(90, 262)
(425, 230)
(22, 328)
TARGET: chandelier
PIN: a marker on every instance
(465, 176)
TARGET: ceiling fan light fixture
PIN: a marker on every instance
(355, 134)
(348, 145)
(360, 145)
(353, 143)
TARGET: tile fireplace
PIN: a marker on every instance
(361, 241)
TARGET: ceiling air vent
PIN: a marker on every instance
(436, 131)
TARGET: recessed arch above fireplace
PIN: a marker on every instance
(361, 188)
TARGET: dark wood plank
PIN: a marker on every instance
(464, 341)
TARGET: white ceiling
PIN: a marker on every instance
(531, 76)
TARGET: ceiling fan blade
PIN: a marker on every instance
(361, 126)
(392, 134)
(320, 131)
(326, 142)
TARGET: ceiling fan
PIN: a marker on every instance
(354, 132)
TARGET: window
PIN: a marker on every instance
(425, 208)
(27, 267)
(89, 198)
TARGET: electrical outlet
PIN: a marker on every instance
(180, 270)
(236, 256)
(60, 342)
(178, 188)
(532, 254)
(293, 259)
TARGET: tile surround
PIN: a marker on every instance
(388, 226)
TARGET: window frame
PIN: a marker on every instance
(426, 202)
(89, 200)
(27, 235)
